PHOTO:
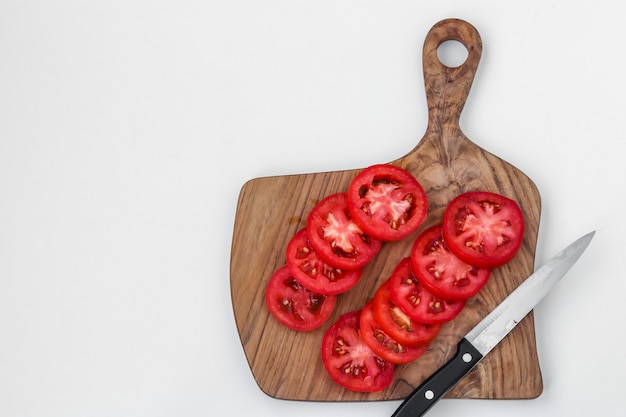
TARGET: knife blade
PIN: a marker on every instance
(492, 329)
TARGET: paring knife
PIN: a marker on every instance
(492, 329)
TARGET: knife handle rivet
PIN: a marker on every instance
(429, 395)
(467, 357)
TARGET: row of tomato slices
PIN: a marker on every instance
(449, 263)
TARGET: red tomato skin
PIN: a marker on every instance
(470, 214)
(416, 301)
(383, 344)
(336, 237)
(295, 306)
(315, 274)
(441, 272)
(387, 202)
(397, 324)
(349, 361)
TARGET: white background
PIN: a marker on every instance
(127, 129)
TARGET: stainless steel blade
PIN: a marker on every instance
(488, 333)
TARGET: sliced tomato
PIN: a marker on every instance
(416, 301)
(349, 361)
(440, 271)
(483, 228)
(315, 274)
(295, 306)
(387, 202)
(397, 324)
(336, 237)
(383, 344)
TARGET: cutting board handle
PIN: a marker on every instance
(447, 88)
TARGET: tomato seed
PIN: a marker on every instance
(302, 252)
(435, 307)
(414, 300)
(462, 282)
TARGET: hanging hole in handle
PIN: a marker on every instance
(452, 53)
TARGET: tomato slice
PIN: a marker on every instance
(440, 271)
(295, 306)
(382, 343)
(349, 361)
(387, 202)
(416, 301)
(336, 237)
(483, 229)
(397, 324)
(315, 274)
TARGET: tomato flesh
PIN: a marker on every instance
(441, 272)
(387, 202)
(315, 274)
(293, 305)
(384, 344)
(416, 301)
(349, 361)
(483, 228)
(336, 237)
(397, 324)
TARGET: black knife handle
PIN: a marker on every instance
(439, 383)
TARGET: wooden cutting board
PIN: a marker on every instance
(287, 364)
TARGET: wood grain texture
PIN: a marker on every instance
(287, 364)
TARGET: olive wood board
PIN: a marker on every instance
(287, 364)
